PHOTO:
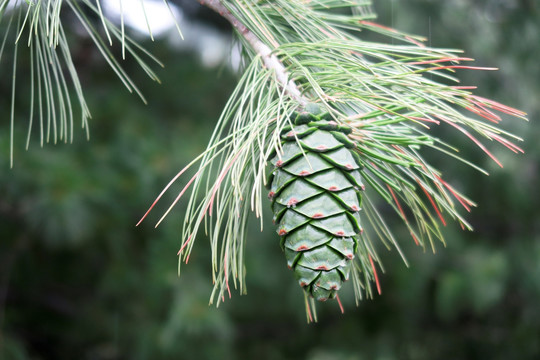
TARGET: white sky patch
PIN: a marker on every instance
(157, 13)
(211, 45)
(214, 47)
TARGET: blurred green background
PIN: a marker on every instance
(79, 281)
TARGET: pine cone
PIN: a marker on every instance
(315, 192)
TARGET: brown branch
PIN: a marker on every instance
(270, 60)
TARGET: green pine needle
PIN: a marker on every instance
(55, 89)
(381, 91)
(294, 52)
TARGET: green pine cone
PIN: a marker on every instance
(315, 192)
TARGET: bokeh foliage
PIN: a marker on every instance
(78, 280)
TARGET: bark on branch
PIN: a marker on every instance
(270, 60)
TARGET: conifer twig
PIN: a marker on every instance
(270, 60)
(378, 92)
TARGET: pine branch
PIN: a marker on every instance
(376, 110)
(270, 60)
(375, 100)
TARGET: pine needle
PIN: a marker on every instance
(379, 90)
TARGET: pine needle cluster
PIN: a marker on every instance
(390, 94)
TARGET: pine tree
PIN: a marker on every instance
(320, 112)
